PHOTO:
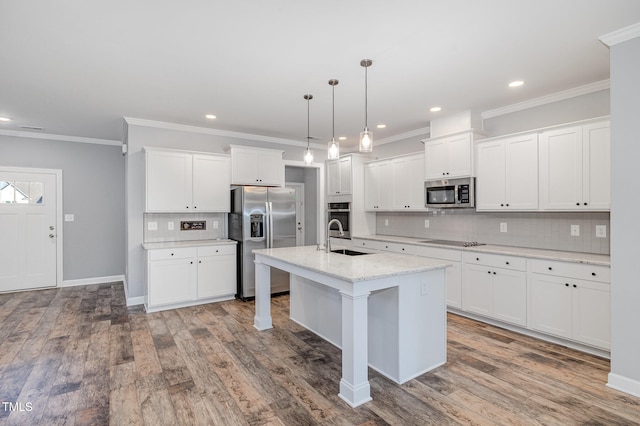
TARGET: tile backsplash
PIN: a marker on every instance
(535, 230)
(162, 221)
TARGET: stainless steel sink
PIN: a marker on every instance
(348, 252)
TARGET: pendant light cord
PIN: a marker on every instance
(333, 111)
(308, 121)
(366, 124)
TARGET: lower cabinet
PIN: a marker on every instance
(189, 276)
(498, 292)
(571, 301)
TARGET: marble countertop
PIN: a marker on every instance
(352, 268)
(181, 244)
(564, 256)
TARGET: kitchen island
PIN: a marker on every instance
(390, 310)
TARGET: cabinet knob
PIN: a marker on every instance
(191, 263)
(488, 272)
(199, 261)
(566, 284)
(494, 273)
(187, 206)
(593, 274)
(477, 258)
(403, 250)
(507, 263)
(577, 204)
(501, 205)
(195, 207)
(585, 204)
(575, 286)
(507, 204)
(171, 254)
(550, 268)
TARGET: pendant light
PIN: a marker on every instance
(334, 146)
(308, 155)
(366, 136)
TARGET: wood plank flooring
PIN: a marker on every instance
(79, 356)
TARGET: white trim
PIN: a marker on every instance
(94, 280)
(406, 135)
(624, 384)
(133, 301)
(64, 138)
(621, 35)
(217, 132)
(543, 100)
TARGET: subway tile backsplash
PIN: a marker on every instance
(162, 233)
(535, 230)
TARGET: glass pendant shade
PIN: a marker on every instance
(308, 156)
(366, 141)
(334, 149)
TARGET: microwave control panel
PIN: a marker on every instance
(463, 194)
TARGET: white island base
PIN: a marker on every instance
(383, 310)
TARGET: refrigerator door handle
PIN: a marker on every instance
(270, 218)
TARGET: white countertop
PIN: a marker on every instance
(352, 268)
(184, 244)
(564, 256)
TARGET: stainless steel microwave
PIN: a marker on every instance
(450, 193)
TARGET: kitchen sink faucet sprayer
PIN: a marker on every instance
(327, 246)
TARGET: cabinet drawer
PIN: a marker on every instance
(219, 250)
(496, 261)
(438, 253)
(579, 271)
(375, 245)
(175, 253)
(396, 247)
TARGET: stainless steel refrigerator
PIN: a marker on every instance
(261, 217)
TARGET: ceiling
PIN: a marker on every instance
(77, 67)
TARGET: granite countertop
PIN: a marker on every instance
(352, 268)
(564, 256)
(184, 244)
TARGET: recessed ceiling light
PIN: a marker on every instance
(210, 116)
(381, 126)
(342, 138)
(516, 83)
(436, 109)
(5, 119)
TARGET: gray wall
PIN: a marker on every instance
(625, 232)
(180, 137)
(92, 189)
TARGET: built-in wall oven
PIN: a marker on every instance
(448, 193)
(342, 212)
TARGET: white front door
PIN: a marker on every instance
(28, 229)
(299, 188)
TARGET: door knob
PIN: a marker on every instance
(299, 228)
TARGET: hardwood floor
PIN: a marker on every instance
(79, 356)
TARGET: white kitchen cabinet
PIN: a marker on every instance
(571, 301)
(339, 176)
(449, 156)
(181, 181)
(575, 168)
(454, 272)
(256, 166)
(185, 276)
(377, 195)
(408, 182)
(495, 286)
(507, 174)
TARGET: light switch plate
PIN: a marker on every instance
(69, 217)
(386, 222)
(601, 231)
(575, 230)
(426, 223)
(503, 226)
(215, 224)
(170, 226)
(152, 226)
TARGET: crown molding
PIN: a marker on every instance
(621, 35)
(543, 100)
(54, 137)
(217, 132)
(417, 132)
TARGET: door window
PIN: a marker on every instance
(13, 192)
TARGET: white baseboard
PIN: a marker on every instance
(624, 384)
(94, 280)
(133, 301)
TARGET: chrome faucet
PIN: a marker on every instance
(327, 247)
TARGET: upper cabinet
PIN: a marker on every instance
(507, 173)
(256, 166)
(340, 176)
(575, 167)
(449, 156)
(395, 184)
(377, 186)
(180, 181)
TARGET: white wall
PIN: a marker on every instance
(625, 227)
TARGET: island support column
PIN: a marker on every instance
(262, 319)
(354, 385)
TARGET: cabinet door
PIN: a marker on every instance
(551, 299)
(211, 181)
(271, 168)
(491, 176)
(171, 281)
(435, 159)
(521, 171)
(561, 169)
(216, 276)
(477, 290)
(401, 180)
(510, 296)
(454, 285)
(596, 184)
(376, 186)
(345, 174)
(333, 177)
(245, 166)
(591, 313)
(168, 181)
(459, 156)
(415, 182)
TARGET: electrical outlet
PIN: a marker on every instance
(575, 230)
(386, 222)
(152, 226)
(215, 224)
(601, 231)
(170, 226)
(69, 217)
(503, 226)
(426, 223)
